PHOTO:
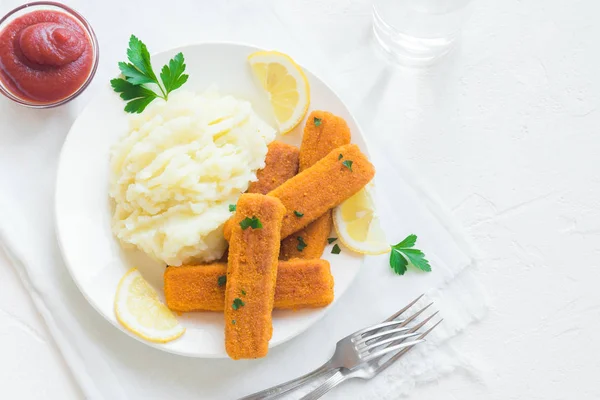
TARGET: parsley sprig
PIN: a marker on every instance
(138, 72)
(336, 249)
(301, 243)
(237, 303)
(253, 223)
(403, 254)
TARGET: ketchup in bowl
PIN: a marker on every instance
(46, 56)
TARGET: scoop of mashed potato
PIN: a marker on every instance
(177, 170)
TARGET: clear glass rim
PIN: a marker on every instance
(96, 55)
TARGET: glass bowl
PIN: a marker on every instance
(52, 6)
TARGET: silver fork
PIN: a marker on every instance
(367, 370)
(358, 348)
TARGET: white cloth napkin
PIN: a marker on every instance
(333, 41)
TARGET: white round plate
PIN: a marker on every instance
(94, 257)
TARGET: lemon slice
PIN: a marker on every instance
(286, 84)
(140, 311)
(357, 224)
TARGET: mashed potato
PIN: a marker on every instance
(175, 173)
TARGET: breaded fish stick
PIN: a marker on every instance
(317, 141)
(304, 284)
(281, 164)
(314, 236)
(300, 284)
(325, 185)
(196, 287)
(251, 275)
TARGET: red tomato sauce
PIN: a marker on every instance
(45, 56)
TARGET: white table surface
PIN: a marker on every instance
(506, 134)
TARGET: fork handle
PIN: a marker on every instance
(276, 391)
(332, 382)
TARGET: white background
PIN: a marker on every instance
(504, 130)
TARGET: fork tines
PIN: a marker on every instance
(391, 335)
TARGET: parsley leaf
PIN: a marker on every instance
(317, 121)
(233, 322)
(232, 207)
(172, 75)
(417, 259)
(243, 292)
(331, 240)
(348, 164)
(138, 105)
(336, 249)
(140, 96)
(222, 280)
(398, 263)
(134, 75)
(403, 254)
(129, 90)
(298, 214)
(253, 223)
(237, 303)
(139, 56)
(340, 156)
(408, 241)
(301, 243)
(139, 72)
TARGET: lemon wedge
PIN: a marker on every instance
(140, 311)
(357, 224)
(286, 84)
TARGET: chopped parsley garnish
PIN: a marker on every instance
(233, 322)
(336, 249)
(237, 303)
(298, 214)
(222, 280)
(331, 240)
(253, 223)
(243, 292)
(301, 243)
(138, 72)
(232, 207)
(403, 254)
(317, 121)
(340, 156)
(348, 164)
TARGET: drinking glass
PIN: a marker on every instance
(418, 32)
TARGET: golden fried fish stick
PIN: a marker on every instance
(281, 164)
(318, 140)
(251, 275)
(325, 185)
(196, 287)
(304, 283)
(314, 236)
(300, 284)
